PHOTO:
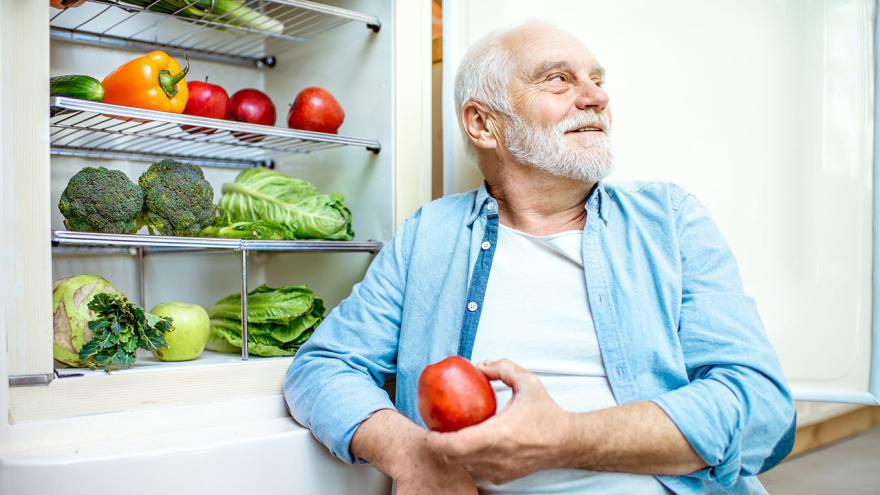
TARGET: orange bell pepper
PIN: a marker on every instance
(152, 82)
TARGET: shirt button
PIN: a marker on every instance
(472, 306)
(490, 206)
(485, 245)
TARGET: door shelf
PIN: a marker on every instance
(90, 241)
(98, 130)
(248, 35)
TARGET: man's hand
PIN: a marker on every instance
(524, 437)
(532, 433)
(396, 446)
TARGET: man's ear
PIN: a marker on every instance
(479, 125)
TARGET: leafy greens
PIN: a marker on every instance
(119, 328)
(263, 230)
(279, 320)
(302, 211)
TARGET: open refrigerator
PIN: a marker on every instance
(219, 423)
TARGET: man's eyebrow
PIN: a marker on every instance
(551, 66)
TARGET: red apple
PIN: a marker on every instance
(315, 110)
(205, 100)
(251, 106)
(454, 394)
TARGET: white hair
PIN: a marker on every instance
(484, 74)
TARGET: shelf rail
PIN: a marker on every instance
(99, 130)
(159, 244)
(245, 35)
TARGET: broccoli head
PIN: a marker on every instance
(101, 200)
(179, 201)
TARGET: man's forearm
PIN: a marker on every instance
(635, 438)
(388, 440)
(396, 446)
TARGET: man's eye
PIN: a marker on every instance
(599, 82)
(557, 77)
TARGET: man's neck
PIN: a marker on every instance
(536, 202)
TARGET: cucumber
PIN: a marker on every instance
(82, 87)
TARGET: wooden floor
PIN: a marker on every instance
(835, 429)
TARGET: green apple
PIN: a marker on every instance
(189, 334)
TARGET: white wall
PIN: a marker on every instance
(763, 110)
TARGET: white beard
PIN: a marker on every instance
(547, 148)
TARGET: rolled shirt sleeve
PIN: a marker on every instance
(737, 412)
(335, 380)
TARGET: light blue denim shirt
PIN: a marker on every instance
(673, 324)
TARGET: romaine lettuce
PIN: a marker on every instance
(279, 320)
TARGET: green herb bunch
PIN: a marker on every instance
(119, 328)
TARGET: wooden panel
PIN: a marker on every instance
(833, 430)
(436, 50)
(437, 131)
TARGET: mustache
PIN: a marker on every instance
(585, 118)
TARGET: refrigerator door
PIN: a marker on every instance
(773, 129)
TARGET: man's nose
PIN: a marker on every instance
(592, 96)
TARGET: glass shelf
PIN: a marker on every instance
(98, 130)
(248, 35)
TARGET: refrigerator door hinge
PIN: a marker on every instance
(28, 380)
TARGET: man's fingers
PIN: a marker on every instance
(512, 374)
(449, 445)
(459, 444)
(475, 474)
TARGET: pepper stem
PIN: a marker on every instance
(169, 82)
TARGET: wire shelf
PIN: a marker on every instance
(158, 244)
(246, 35)
(98, 130)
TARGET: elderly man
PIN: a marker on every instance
(626, 357)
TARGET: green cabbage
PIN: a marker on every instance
(70, 300)
(279, 320)
(263, 195)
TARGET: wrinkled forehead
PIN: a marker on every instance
(538, 51)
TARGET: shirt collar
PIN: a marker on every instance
(597, 202)
(480, 203)
(485, 204)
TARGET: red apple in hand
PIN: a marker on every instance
(315, 110)
(205, 100)
(251, 106)
(454, 394)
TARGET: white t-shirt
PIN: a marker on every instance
(536, 313)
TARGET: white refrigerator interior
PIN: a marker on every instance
(217, 424)
(763, 110)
